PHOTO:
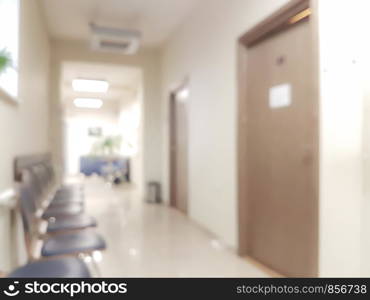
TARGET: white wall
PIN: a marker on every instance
(366, 148)
(344, 146)
(24, 126)
(131, 130)
(205, 49)
(148, 61)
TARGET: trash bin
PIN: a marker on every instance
(153, 192)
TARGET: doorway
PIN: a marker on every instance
(278, 142)
(179, 149)
(102, 109)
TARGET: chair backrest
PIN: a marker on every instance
(28, 161)
(28, 199)
(41, 178)
(50, 172)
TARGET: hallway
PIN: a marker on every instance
(248, 119)
(148, 240)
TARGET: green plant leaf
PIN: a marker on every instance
(5, 60)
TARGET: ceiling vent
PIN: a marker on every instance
(114, 40)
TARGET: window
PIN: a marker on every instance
(9, 41)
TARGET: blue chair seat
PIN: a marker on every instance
(66, 200)
(73, 222)
(72, 243)
(62, 210)
(54, 268)
(69, 192)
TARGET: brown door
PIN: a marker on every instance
(179, 152)
(281, 155)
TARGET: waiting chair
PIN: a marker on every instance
(50, 193)
(62, 216)
(73, 243)
(67, 267)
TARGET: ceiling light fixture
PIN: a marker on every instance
(88, 103)
(90, 86)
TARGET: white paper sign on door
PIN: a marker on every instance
(280, 96)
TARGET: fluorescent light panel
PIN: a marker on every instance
(90, 86)
(88, 103)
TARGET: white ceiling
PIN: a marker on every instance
(156, 19)
(124, 83)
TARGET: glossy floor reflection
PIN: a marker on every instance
(147, 240)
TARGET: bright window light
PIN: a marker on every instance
(88, 103)
(90, 86)
(9, 42)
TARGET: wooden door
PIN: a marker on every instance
(179, 152)
(281, 152)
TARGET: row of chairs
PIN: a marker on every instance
(61, 240)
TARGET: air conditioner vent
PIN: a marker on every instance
(114, 40)
(115, 45)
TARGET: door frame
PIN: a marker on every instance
(287, 16)
(172, 140)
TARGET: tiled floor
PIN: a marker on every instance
(147, 240)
